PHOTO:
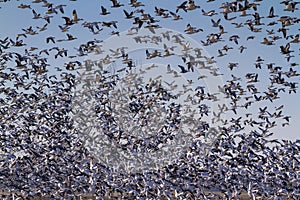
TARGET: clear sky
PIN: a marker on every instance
(14, 19)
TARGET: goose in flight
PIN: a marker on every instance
(64, 28)
(154, 54)
(35, 15)
(175, 16)
(152, 27)
(116, 4)
(209, 13)
(290, 5)
(267, 42)
(69, 38)
(60, 7)
(73, 20)
(271, 13)
(128, 15)
(135, 3)
(23, 6)
(191, 30)
(17, 43)
(234, 38)
(183, 69)
(182, 6)
(215, 23)
(110, 23)
(285, 49)
(191, 5)
(43, 28)
(295, 39)
(50, 38)
(104, 11)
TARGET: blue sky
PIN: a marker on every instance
(13, 20)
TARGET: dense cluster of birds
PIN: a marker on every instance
(68, 110)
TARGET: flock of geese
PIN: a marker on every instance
(68, 111)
